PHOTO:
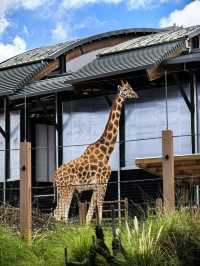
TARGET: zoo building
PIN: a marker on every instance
(59, 98)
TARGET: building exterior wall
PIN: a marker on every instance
(83, 123)
(45, 152)
(2, 150)
(14, 146)
(198, 115)
(146, 118)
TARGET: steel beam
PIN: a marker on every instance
(59, 121)
(7, 139)
(122, 138)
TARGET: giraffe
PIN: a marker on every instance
(91, 171)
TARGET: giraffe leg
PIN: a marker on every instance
(101, 192)
(58, 213)
(67, 204)
(91, 208)
(64, 202)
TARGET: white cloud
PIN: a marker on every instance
(17, 46)
(4, 23)
(137, 4)
(61, 32)
(132, 4)
(188, 16)
(33, 4)
(6, 5)
(9, 5)
(72, 4)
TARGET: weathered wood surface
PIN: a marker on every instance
(25, 191)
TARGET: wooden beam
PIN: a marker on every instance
(7, 139)
(154, 73)
(59, 121)
(2, 132)
(122, 152)
(182, 91)
(168, 170)
(192, 100)
(159, 205)
(47, 70)
(46, 112)
(25, 192)
(82, 212)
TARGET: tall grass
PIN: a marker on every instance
(172, 239)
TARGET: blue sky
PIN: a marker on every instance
(25, 24)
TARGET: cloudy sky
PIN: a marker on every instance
(25, 24)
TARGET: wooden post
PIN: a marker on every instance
(159, 206)
(25, 192)
(168, 170)
(82, 212)
(126, 209)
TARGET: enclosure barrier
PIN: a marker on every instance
(141, 191)
(107, 209)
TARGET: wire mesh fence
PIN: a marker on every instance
(131, 191)
(138, 198)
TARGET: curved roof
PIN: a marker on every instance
(44, 87)
(14, 79)
(54, 51)
(153, 39)
(129, 61)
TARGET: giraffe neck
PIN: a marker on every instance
(109, 136)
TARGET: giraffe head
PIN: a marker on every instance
(126, 91)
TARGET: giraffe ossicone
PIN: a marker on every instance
(91, 170)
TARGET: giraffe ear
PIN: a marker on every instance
(122, 82)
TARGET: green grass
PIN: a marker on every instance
(173, 239)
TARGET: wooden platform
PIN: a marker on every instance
(187, 167)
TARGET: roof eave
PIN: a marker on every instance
(104, 75)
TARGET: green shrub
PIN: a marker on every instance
(14, 252)
(171, 239)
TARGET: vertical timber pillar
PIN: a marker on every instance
(59, 120)
(168, 170)
(25, 192)
(195, 124)
(7, 147)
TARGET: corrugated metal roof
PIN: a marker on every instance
(126, 62)
(53, 51)
(35, 55)
(46, 86)
(14, 79)
(153, 39)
